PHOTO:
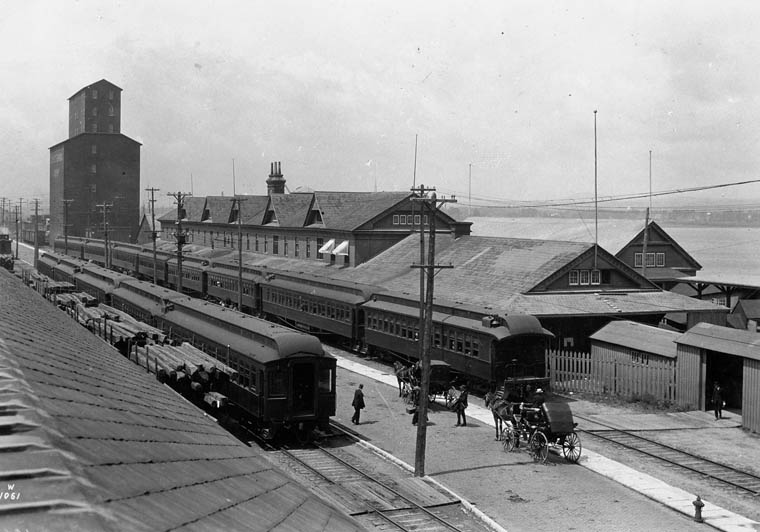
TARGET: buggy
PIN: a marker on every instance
(551, 424)
(440, 381)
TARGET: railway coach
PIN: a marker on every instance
(507, 350)
(285, 380)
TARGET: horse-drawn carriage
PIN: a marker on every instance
(551, 424)
(409, 377)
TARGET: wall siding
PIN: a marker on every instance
(690, 371)
(751, 395)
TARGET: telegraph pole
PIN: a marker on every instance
(36, 231)
(66, 203)
(17, 209)
(20, 217)
(105, 207)
(153, 233)
(431, 204)
(240, 201)
(179, 197)
(2, 209)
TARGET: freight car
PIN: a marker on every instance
(490, 349)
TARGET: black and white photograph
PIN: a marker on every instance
(373, 266)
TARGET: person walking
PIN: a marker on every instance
(493, 400)
(717, 399)
(460, 405)
(358, 404)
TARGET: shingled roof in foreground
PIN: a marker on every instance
(91, 442)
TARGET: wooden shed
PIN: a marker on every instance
(708, 353)
(635, 360)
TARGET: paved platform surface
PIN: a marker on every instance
(591, 416)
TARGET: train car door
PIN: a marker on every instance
(304, 396)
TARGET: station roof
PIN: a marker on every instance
(723, 340)
(94, 443)
(638, 336)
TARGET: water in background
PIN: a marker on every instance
(731, 254)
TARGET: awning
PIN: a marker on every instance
(341, 249)
(328, 247)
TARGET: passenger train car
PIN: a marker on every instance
(6, 250)
(283, 381)
(489, 349)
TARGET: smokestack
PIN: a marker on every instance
(275, 183)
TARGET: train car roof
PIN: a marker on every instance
(319, 291)
(265, 341)
(94, 443)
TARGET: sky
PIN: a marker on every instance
(491, 101)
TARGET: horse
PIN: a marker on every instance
(406, 377)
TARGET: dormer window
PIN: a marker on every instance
(315, 217)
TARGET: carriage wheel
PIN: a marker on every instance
(538, 446)
(571, 447)
(509, 437)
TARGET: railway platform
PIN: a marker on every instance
(385, 425)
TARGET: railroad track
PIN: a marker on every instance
(368, 495)
(726, 475)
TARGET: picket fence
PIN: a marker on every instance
(624, 373)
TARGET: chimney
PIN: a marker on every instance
(275, 183)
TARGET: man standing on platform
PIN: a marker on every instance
(460, 405)
(358, 404)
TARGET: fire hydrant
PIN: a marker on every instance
(698, 504)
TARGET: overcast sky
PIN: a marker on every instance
(337, 91)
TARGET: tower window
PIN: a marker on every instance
(94, 111)
(110, 109)
(94, 149)
(94, 94)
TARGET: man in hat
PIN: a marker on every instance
(358, 404)
(460, 405)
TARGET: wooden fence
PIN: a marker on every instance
(624, 373)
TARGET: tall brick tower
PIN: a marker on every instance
(97, 168)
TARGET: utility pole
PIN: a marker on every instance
(66, 203)
(2, 209)
(17, 209)
(20, 218)
(105, 207)
(431, 204)
(179, 197)
(36, 231)
(153, 233)
(240, 201)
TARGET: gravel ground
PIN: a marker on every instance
(508, 487)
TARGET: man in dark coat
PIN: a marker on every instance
(358, 404)
(460, 405)
(717, 400)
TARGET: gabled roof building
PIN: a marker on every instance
(340, 228)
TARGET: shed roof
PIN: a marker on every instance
(638, 336)
(94, 443)
(723, 340)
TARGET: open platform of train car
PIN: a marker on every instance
(92, 442)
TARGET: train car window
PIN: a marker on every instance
(475, 348)
(467, 346)
(325, 379)
(403, 331)
(416, 334)
(437, 339)
(277, 386)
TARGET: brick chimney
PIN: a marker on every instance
(275, 183)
